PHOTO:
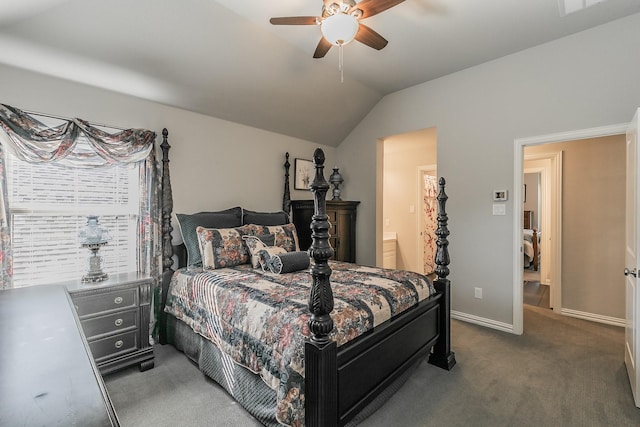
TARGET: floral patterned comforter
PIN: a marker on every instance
(260, 318)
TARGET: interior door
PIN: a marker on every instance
(632, 252)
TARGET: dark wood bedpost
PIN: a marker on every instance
(442, 355)
(286, 197)
(167, 248)
(321, 378)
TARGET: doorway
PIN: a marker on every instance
(543, 204)
(397, 210)
(555, 252)
(536, 291)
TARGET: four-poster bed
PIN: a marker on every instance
(340, 367)
(531, 248)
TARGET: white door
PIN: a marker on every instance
(632, 253)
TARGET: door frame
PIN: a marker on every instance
(518, 171)
(422, 170)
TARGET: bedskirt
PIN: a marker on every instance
(244, 386)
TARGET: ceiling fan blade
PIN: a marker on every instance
(323, 47)
(373, 7)
(295, 20)
(369, 37)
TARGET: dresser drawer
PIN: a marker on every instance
(106, 301)
(110, 323)
(107, 347)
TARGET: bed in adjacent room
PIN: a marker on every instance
(531, 248)
(294, 337)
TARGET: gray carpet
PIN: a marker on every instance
(536, 294)
(561, 372)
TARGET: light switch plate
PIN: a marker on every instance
(499, 209)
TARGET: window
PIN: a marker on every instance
(48, 205)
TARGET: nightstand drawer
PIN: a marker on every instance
(107, 347)
(106, 301)
(110, 323)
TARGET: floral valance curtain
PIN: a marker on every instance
(35, 142)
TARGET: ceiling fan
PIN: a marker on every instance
(340, 23)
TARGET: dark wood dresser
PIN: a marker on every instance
(342, 217)
(114, 315)
(48, 376)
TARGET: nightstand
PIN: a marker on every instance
(114, 315)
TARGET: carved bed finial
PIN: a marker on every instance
(167, 205)
(442, 251)
(286, 198)
(321, 295)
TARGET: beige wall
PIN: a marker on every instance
(215, 164)
(403, 154)
(583, 81)
(593, 209)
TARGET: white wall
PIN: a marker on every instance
(586, 80)
(215, 164)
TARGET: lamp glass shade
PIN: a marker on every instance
(339, 29)
(93, 233)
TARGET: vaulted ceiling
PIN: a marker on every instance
(224, 59)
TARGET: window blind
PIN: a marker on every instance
(48, 205)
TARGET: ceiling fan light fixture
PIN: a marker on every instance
(339, 29)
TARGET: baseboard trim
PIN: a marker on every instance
(482, 321)
(594, 317)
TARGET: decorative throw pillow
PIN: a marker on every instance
(266, 253)
(286, 236)
(288, 262)
(255, 244)
(187, 225)
(223, 247)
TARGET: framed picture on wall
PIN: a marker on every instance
(303, 174)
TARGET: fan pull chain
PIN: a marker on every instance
(341, 63)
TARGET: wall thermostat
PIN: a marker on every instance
(500, 195)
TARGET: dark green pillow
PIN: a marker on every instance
(187, 224)
(264, 218)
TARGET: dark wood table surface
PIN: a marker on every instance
(47, 375)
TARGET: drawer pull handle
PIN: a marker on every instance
(118, 300)
(118, 322)
(119, 344)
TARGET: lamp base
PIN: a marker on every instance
(94, 272)
(98, 276)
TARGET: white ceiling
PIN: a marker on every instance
(223, 58)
